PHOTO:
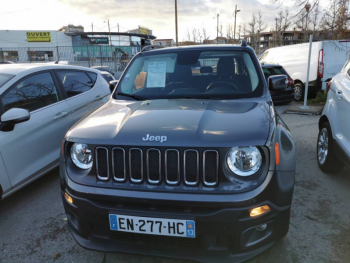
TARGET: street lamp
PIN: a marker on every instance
(234, 31)
(307, 8)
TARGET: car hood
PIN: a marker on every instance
(185, 122)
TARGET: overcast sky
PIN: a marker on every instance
(157, 15)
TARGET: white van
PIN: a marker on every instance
(327, 60)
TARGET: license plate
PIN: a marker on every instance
(152, 226)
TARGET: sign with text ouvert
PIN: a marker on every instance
(33, 36)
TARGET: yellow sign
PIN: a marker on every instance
(38, 36)
(143, 30)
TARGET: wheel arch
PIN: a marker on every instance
(322, 120)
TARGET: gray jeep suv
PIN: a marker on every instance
(188, 159)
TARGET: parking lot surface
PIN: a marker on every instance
(33, 226)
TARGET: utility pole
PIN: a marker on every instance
(276, 33)
(118, 35)
(217, 31)
(307, 8)
(234, 30)
(110, 40)
(92, 27)
(177, 43)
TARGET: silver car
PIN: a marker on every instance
(333, 144)
(38, 105)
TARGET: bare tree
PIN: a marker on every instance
(194, 35)
(229, 33)
(188, 35)
(244, 29)
(283, 22)
(221, 33)
(315, 15)
(205, 36)
(199, 36)
(239, 30)
(252, 29)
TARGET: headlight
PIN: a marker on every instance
(244, 161)
(81, 155)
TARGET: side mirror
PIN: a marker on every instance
(13, 116)
(113, 84)
(278, 82)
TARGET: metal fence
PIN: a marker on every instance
(87, 56)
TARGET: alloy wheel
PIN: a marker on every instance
(298, 92)
(322, 146)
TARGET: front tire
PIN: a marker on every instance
(326, 157)
(299, 91)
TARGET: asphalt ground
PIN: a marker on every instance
(33, 225)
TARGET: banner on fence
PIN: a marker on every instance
(38, 36)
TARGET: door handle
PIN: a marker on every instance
(60, 115)
(98, 97)
(339, 94)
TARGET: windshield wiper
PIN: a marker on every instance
(136, 97)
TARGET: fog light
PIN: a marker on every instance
(259, 211)
(261, 227)
(68, 198)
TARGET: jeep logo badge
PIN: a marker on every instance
(155, 138)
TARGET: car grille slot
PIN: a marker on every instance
(118, 163)
(135, 165)
(102, 168)
(154, 166)
(172, 166)
(210, 167)
(191, 167)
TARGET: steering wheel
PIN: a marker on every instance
(220, 83)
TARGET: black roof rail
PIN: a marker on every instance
(243, 43)
(151, 47)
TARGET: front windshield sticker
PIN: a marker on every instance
(156, 74)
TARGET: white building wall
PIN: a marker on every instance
(18, 38)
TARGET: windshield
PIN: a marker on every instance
(4, 78)
(192, 74)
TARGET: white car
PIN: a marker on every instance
(333, 144)
(107, 76)
(39, 104)
(327, 59)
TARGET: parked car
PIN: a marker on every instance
(327, 59)
(333, 144)
(180, 165)
(5, 62)
(104, 68)
(107, 76)
(39, 104)
(279, 96)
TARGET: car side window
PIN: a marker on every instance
(93, 76)
(31, 93)
(75, 82)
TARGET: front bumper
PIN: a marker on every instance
(224, 231)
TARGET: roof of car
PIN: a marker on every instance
(105, 72)
(15, 69)
(198, 47)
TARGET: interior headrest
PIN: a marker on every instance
(181, 73)
(226, 67)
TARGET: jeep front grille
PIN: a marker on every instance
(169, 166)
